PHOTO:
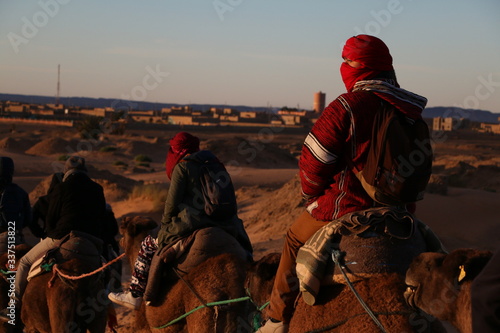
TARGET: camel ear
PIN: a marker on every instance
(474, 265)
(462, 274)
(468, 262)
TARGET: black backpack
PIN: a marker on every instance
(218, 190)
(399, 162)
(12, 201)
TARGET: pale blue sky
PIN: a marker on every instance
(245, 52)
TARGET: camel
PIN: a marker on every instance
(440, 284)
(68, 305)
(338, 310)
(6, 284)
(216, 279)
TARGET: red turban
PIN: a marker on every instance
(181, 144)
(371, 53)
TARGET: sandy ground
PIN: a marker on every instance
(264, 171)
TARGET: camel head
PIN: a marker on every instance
(134, 230)
(436, 280)
(260, 278)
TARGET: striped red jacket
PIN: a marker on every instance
(343, 133)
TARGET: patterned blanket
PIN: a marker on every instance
(315, 255)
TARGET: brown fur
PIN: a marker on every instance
(67, 306)
(218, 278)
(434, 287)
(338, 310)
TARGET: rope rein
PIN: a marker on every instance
(176, 271)
(56, 270)
(257, 318)
(229, 301)
(337, 257)
(203, 303)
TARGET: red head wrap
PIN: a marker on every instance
(181, 144)
(371, 53)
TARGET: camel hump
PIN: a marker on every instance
(207, 243)
(188, 253)
(78, 245)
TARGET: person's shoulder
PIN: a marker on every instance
(201, 156)
(16, 188)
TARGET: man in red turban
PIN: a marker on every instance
(341, 135)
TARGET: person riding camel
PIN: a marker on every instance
(182, 214)
(15, 209)
(341, 134)
(77, 203)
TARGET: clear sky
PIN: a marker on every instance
(245, 52)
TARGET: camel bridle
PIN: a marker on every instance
(338, 259)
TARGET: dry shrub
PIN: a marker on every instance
(157, 193)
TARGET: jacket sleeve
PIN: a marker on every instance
(176, 192)
(322, 150)
(54, 210)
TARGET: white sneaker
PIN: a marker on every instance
(126, 299)
(271, 327)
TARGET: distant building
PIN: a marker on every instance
(446, 124)
(180, 120)
(490, 128)
(248, 114)
(319, 102)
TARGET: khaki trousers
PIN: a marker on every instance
(286, 284)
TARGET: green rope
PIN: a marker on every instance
(6, 272)
(257, 319)
(246, 298)
(47, 266)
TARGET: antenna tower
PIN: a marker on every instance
(58, 84)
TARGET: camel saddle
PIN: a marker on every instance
(373, 241)
(77, 244)
(188, 253)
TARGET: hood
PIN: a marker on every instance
(405, 101)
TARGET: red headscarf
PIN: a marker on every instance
(181, 144)
(373, 55)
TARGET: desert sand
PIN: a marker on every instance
(263, 164)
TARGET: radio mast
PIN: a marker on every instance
(58, 83)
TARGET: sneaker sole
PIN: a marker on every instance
(122, 303)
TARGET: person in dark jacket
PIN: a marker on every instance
(41, 208)
(183, 213)
(15, 209)
(77, 203)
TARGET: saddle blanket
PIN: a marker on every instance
(398, 224)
